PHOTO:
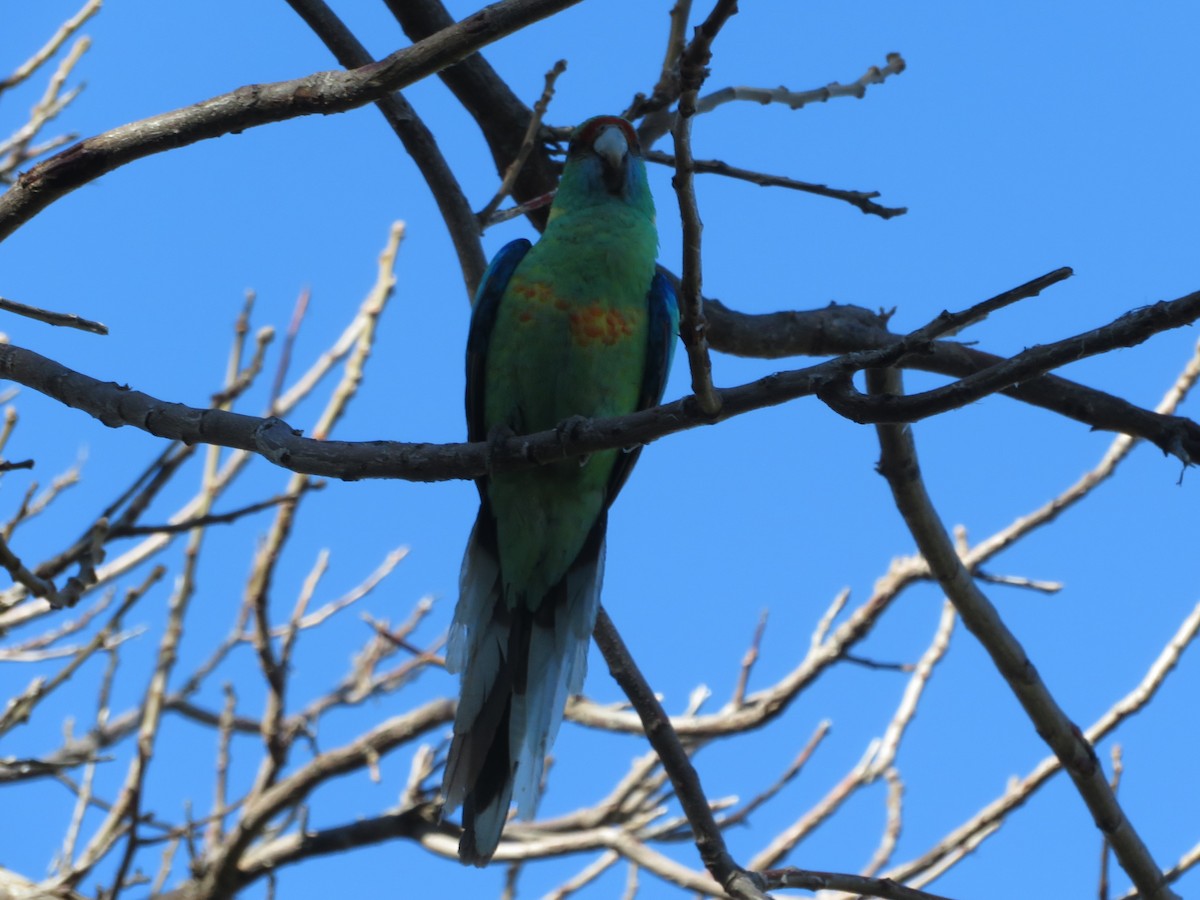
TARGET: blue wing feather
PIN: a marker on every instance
(660, 349)
(663, 319)
(483, 318)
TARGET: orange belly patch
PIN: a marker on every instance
(598, 324)
(594, 323)
(537, 291)
(534, 294)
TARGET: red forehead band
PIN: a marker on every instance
(586, 136)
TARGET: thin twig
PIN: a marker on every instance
(692, 324)
(531, 132)
(220, 805)
(585, 876)
(862, 200)
(84, 794)
(878, 758)
(654, 111)
(66, 320)
(892, 825)
(521, 209)
(35, 62)
(797, 99)
(659, 121)
(748, 661)
(793, 769)
(19, 708)
(16, 149)
(75, 586)
(210, 519)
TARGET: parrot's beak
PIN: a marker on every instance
(612, 148)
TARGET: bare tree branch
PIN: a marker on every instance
(221, 873)
(417, 139)
(797, 99)
(243, 835)
(711, 845)
(863, 200)
(115, 405)
(514, 168)
(501, 115)
(39, 59)
(260, 104)
(52, 318)
(898, 463)
(971, 834)
(657, 125)
(692, 324)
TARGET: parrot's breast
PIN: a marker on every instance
(570, 339)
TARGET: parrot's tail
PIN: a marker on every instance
(518, 667)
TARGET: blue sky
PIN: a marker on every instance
(1022, 137)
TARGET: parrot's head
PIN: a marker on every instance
(604, 163)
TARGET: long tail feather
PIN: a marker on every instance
(558, 649)
(518, 668)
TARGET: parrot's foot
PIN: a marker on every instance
(569, 429)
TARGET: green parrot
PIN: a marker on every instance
(580, 324)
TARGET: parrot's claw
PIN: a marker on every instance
(570, 428)
(567, 430)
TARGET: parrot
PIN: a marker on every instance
(581, 323)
